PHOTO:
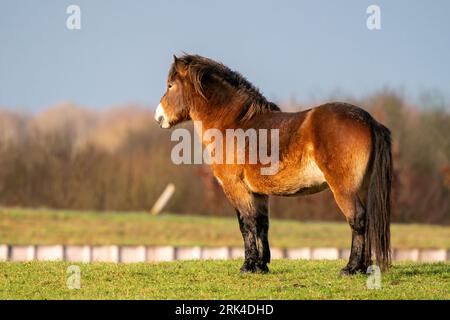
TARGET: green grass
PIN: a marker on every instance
(19, 226)
(220, 280)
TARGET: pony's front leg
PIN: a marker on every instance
(247, 225)
(262, 232)
(252, 213)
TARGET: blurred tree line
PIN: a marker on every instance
(119, 159)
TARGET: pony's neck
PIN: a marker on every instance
(219, 116)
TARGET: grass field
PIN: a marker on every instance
(288, 279)
(19, 226)
(220, 280)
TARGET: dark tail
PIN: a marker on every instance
(378, 212)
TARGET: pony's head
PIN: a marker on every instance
(174, 107)
(198, 85)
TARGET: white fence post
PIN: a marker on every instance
(3, 252)
(22, 253)
(163, 199)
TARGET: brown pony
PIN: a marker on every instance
(335, 145)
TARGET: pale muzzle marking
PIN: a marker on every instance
(161, 117)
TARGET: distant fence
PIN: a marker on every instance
(130, 254)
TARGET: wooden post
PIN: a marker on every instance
(163, 199)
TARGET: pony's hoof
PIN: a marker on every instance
(345, 272)
(254, 268)
(247, 268)
(262, 268)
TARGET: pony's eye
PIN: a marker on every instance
(169, 85)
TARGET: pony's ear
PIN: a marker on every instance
(180, 66)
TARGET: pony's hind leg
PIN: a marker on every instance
(357, 261)
(355, 213)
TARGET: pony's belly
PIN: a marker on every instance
(291, 180)
(302, 185)
(304, 190)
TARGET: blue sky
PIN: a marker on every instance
(308, 50)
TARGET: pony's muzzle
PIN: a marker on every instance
(161, 118)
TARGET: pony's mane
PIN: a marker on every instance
(198, 67)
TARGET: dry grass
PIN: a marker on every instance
(19, 226)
